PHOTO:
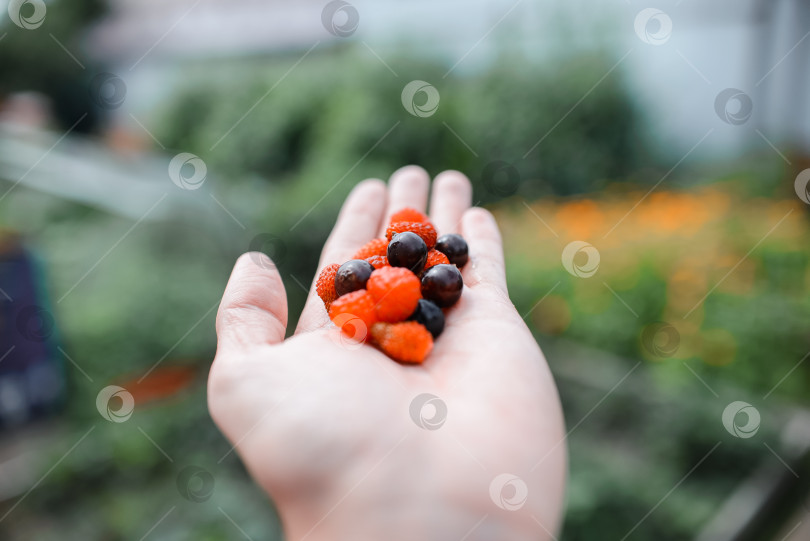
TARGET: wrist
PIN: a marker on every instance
(395, 521)
(390, 502)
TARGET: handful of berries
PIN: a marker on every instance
(394, 290)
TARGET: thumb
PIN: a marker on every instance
(253, 310)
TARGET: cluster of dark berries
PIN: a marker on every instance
(394, 291)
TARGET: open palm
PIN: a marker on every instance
(351, 444)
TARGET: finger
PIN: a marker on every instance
(483, 238)
(253, 310)
(358, 222)
(452, 195)
(408, 187)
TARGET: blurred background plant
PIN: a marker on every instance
(699, 299)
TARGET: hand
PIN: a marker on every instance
(326, 429)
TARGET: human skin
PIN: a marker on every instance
(325, 426)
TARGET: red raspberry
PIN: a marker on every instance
(371, 248)
(379, 261)
(354, 313)
(396, 291)
(423, 229)
(325, 286)
(408, 214)
(406, 342)
(435, 257)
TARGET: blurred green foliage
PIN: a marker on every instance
(727, 272)
(29, 62)
(301, 124)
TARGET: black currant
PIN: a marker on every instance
(352, 275)
(454, 247)
(429, 315)
(407, 250)
(442, 284)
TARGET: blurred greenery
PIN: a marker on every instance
(30, 63)
(308, 127)
(283, 171)
(681, 258)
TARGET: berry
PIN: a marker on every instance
(435, 257)
(429, 315)
(378, 261)
(355, 307)
(396, 292)
(325, 286)
(352, 275)
(424, 230)
(373, 247)
(408, 214)
(454, 247)
(407, 250)
(406, 342)
(442, 284)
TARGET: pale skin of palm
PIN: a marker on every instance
(325, 428)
